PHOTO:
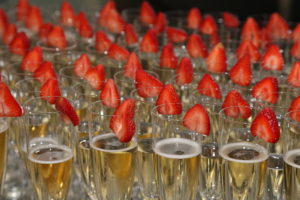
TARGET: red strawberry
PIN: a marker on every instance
(131, 37)
(49, 91)
(57, 38)
(9, 107)
(67, 14)
(34, 19)
(208, 87)
(32, 60)
(103, 14)
(176, 35)
(168, 58)
(196, 47)
(102, 42)
(82, 65)
(85, 30)
(168, 102)
(45, 72)
(277, 27)
(80, 18)
(294, 76)
(149, 43)
(194, 18)
(295, 50)
(214, 38)
(67, 111)
(272, 60)
(208, 25)
(216, 60)
(160, 23)
(184, 72)
(197, 119)
(147, 86)
(248, 48)
(230, 20)
(147, 14)
(9, 33)
(266, 90)
(109, 95)
(115, 23)
(296, 33)
(265, 126)
(22, 10)
(95, 77)
(20, 44)
(45, 29)
(117, 53)
(3, 22)
(295, 106)
(251, 31)
(241, 73)
(132, 65)
(236, 106)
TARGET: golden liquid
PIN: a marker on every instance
(50, 171)
(114, 167)
(244, 174)
(3, 153)
(292, 174)
(38, 130)
(275, 177)
(177, 163)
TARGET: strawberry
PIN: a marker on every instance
(216, 60)
(147, 14)
(160, 23)
(3, 22)
(236, 106)
(131, 37)
(295, 109)
(168, 102)
(147, 85)
(193, 18)
(295, 50)
(294, 76)
(22, 10)
(80, 18)
(208, 25)
(44, 31)
(102, 42)
(296, 33)
(103, 14)
(45, 72)
(241, 73)
(208, 87)
(20, 44)
(277, 27)
(115, 23)
(67, 111)
(49, 91)
(34, 19)
(230, 20)
(266, 90)
(67, 14)
(176, 35)
(9, 107)
(32, 60)
(95, 77)
(85, 30)
(132, 65)
(57, 38)
(184, 72)
(109, 95)
(272, 59)
(117, 53)
(214, 39)
(251, 31)
(248, 48)
(196, 47)
(265, 126)
(168, 58)
(122, 122)
(82, 65)
(149, 43)
(9, 33)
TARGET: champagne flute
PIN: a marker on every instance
(3, 151)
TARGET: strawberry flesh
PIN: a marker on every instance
(9, 107)
(109, 95)
(66, 110)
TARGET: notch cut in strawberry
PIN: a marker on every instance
(32, 60)
(216, 60)
(208, 87)
(294, 76)
(132, 65)
(49, 91)
(9, 107)
(272, 59)
(147, 85)
(248, 48)
(266, 90)
(95, 77)
(109, 95)
(241, 73)
(168, 58)
(184, 71)
(67, 111)
(251, 32)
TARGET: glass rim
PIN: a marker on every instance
(71, 46)
(223, 116)
(289, 119)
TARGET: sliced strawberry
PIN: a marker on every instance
(176, 35)
(82, 65)
(57, 38)
(3, 22)
(45, 29)
(296, 33)
(197, 119)
(117, 53)
(22, 10)
(241, 73)
(294, 76)
(209, 25)
(272, 59)
(168, 58)
(266, 90)
(160, 23)
(102, 20)
(85, 30)
(109, 95)
(147, 14)
(67, 111)
(149, 43)
(132, 65)
(208, 87)
(196, 47)
(184, 72)
(248, 48)
(265, 126)
(9, 107)
(236, 106)
(216, 60)
(80, 18)
(102, 42)
(9, 33)
(277, 27)
(295, 109)
(20, 44)
(34, 19)
(67, 14)
(49, 91)
(214, 39)
(147, 85)
(230, 20)
(115, 23)
(131, 37)
(193, 18)
(295, 50)
(251, 32)
(45, 72)
(32, 60)
(95, 77)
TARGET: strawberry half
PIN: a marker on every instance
(20, 44)
(85, 30)
(277, 27)
(272, 60)
(295, 50)
(67, 14)
(149, 43)
(104, 12)
(184, 72)
(208, 87)
(80, 18)
(3, 22)
(294, 76)
(131, 37)
(251, 32)
(117, 53)
(22, 10)
(208, 25)
(102, 42)
(230, 20)
(67, 111)
(196, 47)
(115, 23)
(95, 77)
(132, 65)
(45, 72)
(176, 35)
(147, 14)
(147, 86)
(34, 19)
(248, 48)
(295, 106)
(265, 126)
(194, 18)
(57, 38)
(160, 23)
(168, 58)
(296, 33)
(216, 60)
(9, 107)
(45, 29)
(168, 102)
(82, 65)
(49, 91)
(197, 119)
(266, 90)
(241, 73)
(9, 33)
(32, 60)
(109, 95)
